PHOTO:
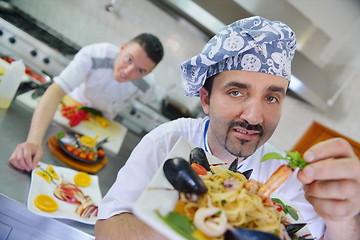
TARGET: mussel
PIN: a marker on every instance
(247, 234)
(291, 229)
(247, 173)
(234, 165)
(234, 168)
(182, 177)
(198, 155)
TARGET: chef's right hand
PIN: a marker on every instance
(26, 156)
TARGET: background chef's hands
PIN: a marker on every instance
(332, 179)
(26, 156)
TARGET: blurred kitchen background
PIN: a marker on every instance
(325, 86)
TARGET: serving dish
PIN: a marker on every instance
(158, 197)
(74, 135)
(65, 210)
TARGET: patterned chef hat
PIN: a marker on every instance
(253, 44)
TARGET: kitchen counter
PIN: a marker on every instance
(15, 184)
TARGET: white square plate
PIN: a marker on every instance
(157, 197)
(65, 210)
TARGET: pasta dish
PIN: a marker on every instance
(231, 200)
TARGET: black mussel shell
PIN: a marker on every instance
(247, 173)
(234, 165)
(182, 177)
(291, 229)
(247, 234)
(198, 155)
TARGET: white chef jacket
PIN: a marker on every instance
(89, 80)
(152, 150)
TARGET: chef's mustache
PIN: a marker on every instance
(247, 126)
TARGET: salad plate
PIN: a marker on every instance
(66, 210)
(159, 196)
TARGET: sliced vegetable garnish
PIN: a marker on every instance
(294, 158)
(92, 111)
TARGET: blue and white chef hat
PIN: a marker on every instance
(253, 44)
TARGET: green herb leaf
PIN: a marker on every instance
(278, 201)
(294, 158)
(271, 155)
(287, 209)
(292, 212)
(60, 135)
(179, 224)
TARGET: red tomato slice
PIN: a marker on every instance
(199, 169)
(278, 206)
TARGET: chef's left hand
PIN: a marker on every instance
(332, 179)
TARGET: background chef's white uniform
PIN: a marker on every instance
(152, 150)
(89, 80)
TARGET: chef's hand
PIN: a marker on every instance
(332, 184)
(26, 156)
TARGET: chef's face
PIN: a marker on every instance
(132, 63)
(244, 109)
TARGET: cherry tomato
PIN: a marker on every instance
(100, 153)
(83, 155)
(70, 148)
(278, 206)
(77, 151)
(91, 156)
(199, 169)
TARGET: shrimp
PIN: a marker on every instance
(211, 221)
(275, 181)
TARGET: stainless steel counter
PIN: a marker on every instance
(15, 184)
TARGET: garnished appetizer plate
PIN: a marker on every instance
(60, 192)
(80, 147)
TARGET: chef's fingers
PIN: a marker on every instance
(17, 159)
(331, 169)
(333, 209)
(37, 157)
(27, 157)
(13, 160)
(332, 148)
(334, 189)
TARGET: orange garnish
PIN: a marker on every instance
(82, 179)
(45, 203)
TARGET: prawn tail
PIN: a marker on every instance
(276, 179)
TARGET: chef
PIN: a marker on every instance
(241, 77)
(102, 76)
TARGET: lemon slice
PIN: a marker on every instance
(45, 203)
(82, 179)
(88, 141)
(44, 175)
(50, 170)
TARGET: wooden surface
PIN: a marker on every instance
(317, 133)
(115, 132)
(92, 168)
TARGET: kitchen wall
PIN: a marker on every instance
(86, 22)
